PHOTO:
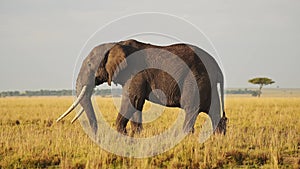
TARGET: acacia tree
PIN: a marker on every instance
(261, 81)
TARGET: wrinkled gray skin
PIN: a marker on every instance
(105, 63)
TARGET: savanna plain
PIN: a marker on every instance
(262, 133)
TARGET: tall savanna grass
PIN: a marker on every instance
(262, 133)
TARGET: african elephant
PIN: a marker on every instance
(179, 75)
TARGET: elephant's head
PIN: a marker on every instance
(102, 65)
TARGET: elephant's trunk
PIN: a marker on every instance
(87, 106)
(86, 78)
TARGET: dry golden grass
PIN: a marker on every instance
(262, 133)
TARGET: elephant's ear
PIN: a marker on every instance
(116, 61)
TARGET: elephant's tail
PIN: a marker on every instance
(221, 81)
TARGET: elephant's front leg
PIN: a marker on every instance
(124, 115)
(131, 108)
(128, 108)
(136, 123)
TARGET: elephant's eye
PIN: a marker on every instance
(89, 64)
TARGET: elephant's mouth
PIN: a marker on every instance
(98, 81)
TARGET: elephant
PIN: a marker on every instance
(177, 75)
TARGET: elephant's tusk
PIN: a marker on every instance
(77, 115)
(74, 104)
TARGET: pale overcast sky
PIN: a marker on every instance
(40, 40)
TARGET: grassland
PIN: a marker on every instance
(262, 133)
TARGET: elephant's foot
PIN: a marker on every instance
(122, 130)
(136, 128)
(121, 123)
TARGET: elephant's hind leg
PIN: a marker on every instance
(189, 121)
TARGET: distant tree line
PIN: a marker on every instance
(243, 91)
(37, 93)
(107, 92)
(99, 92)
